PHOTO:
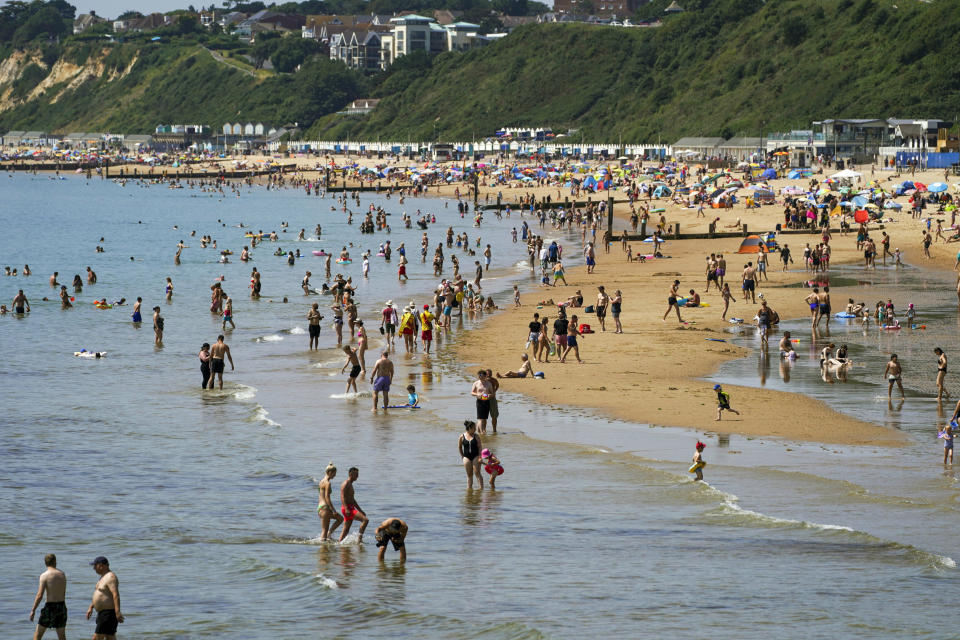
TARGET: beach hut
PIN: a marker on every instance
(753, 244)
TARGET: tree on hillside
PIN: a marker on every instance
(47, 22)
(292, 52)
(263, 49)
(129, 15)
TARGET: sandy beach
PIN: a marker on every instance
(652, 373)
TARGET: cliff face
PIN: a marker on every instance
(131, 88)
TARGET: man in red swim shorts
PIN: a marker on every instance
(349, 508)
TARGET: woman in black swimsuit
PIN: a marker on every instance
(941, 373)
(470, 448)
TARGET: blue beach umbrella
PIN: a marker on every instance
(937, 187)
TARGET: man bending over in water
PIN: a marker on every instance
(392, 530)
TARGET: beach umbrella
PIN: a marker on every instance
(890, 204)
(937, 187)
(859, 201)
(919, 186)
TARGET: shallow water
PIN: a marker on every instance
(205, 502)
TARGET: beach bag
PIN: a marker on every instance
(590, 309)
(585, 328)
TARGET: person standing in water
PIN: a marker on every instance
(204, 357)
(20, 301)
(894, 373)
(53, 584)
(137, 318)
(381, 378)
(106, 601)
(698, 462)
(217, 353)
(354, 361)
(941, 373)
(349, 508)
(470, 447)
(227, 312)
(314, 318)
(157, 326)
(325, 509)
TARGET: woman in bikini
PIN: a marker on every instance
(941, 373)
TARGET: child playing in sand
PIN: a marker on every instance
(947, 435)
(723, 401)
(491, 464)
(698, 462)
(413, 399)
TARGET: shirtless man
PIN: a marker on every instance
(721, 269)
(348, 504)
(814, 301)
(91, 276)
(672, 301)
(19, 302)
(894, 373)
(217, 352)
(354, 361)
(391, 530)
(762, 266)
(53, 279)
(603, 299)
(64, 298)
(314, 318)
(53, 583)
(749, 279)
(106, 601)
(823, 310)
(381, 378)
(325, 508)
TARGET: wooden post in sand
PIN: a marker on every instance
(610, 214)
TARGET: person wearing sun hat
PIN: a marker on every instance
(388, 322)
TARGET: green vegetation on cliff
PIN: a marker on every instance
(722, 67)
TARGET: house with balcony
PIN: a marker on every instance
(413, 33)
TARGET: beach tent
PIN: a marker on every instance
(794, 174)
(769, 174)
(753, 244)
(846, 174)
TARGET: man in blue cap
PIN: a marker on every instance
(106, 601)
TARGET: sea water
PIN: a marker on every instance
(205, 502)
